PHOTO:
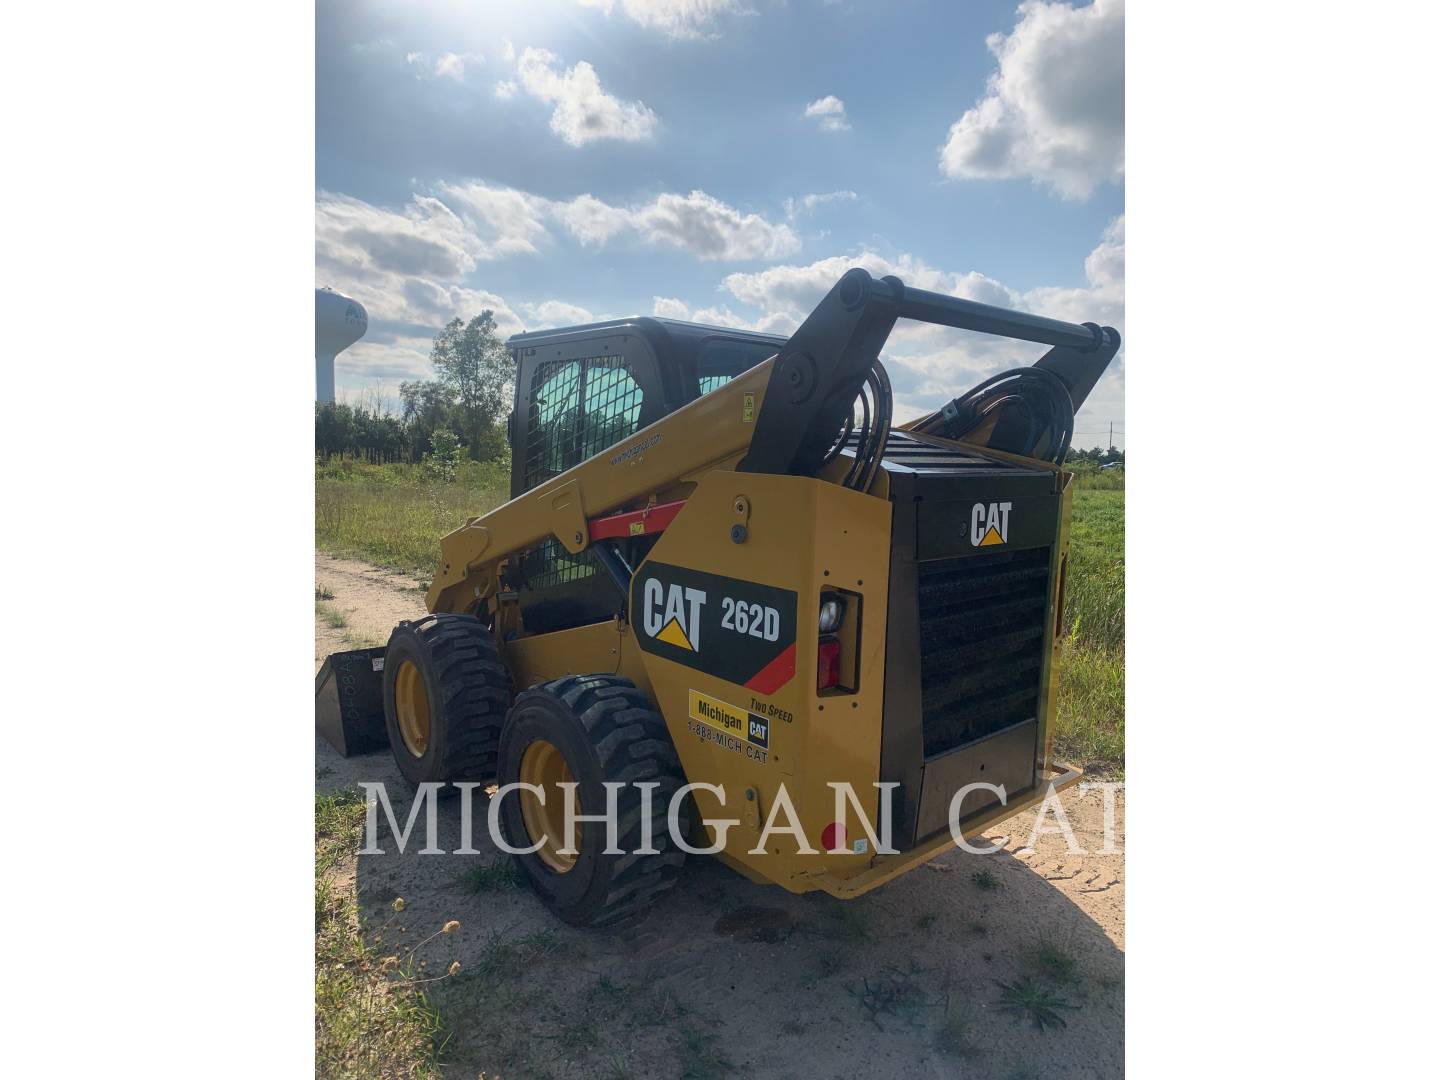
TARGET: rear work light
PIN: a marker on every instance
(832, 610)
(827, 669)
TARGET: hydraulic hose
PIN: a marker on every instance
(1029, 410)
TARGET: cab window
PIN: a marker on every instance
(720, 360)
(577, 408)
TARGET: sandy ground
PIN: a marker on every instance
(371, 599)
(728, 977)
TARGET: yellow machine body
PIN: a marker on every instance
(802, 535)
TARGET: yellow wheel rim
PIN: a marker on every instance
(544, 766)
(412, 708)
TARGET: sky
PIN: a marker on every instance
(561, 161)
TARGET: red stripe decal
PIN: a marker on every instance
(775, 674)
(650, 520)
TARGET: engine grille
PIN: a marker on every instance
(982, 634)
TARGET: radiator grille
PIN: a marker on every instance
(982, 634)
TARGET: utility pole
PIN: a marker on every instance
(1112, 436)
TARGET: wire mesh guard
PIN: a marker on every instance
(577, 408)
(550, 564)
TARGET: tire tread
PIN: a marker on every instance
(474, 684)
(632, 744)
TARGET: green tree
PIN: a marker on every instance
(333, 428)
(446, 450)
(473, 364)
(425, 403)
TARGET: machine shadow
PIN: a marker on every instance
(944, 969)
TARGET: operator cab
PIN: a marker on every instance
(579, 389)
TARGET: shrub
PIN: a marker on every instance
(446, 453)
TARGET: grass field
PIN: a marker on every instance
(372, 1017)
(1090, 727)
(393, 516)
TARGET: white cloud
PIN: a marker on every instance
(405, 265)
(590, 220)
(507, 221)
(548, 313)
(451, 65)
(698, 223)
(807, 204)
(505, 89)
(411, 266)
(830, 111)
(448, 233)
(797, 289)
(1102, 300)
(584, 112)
(423, 238)
(1054, 110)
(1105, 266)
(676, 18)
(377, 366)
(709, 229)
(668, 307)
(448, 65)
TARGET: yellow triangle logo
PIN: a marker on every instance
(991, 538)
(671, 634)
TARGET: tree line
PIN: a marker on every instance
(1095, 454)
(466, 400)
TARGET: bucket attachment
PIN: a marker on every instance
(350, 702)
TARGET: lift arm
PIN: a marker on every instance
(818, 373)
(798, 400)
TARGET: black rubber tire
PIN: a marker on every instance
(469, 691)
(607, 730)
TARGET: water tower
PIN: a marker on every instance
(339, 323)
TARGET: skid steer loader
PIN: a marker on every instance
(721, 566)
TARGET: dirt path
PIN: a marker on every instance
(726, 977)
(370, 600)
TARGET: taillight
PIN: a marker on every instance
(827, 668)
